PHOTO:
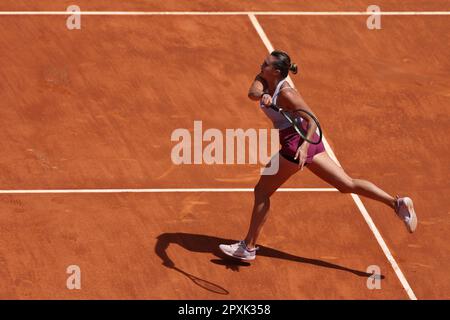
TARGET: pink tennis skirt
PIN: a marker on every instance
(290, 140)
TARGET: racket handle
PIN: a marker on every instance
(274, 107)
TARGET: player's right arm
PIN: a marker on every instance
(258, 89)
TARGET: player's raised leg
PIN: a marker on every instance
(326, 169)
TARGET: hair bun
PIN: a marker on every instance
(293, 68)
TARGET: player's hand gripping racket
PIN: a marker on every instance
(296, 123)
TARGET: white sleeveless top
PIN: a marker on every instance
(278, 120)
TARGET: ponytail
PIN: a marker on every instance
(283, 63)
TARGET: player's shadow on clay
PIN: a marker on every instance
(209, 244)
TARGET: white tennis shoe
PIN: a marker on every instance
(239, 250)
(405, 210)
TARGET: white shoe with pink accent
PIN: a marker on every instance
(405, 210)
(239, 251)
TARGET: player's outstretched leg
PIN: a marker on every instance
(326, 169)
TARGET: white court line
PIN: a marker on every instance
(228, 13)
(162, 190)
(355, 197)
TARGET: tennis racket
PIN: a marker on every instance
(296, 123)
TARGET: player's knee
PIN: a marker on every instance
(346, 186)
(259, 193)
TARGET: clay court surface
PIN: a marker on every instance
(95, 108)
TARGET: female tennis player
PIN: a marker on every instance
(270, 86)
